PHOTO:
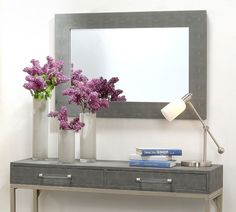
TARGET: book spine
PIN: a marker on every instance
(147, 152)
(159, 164)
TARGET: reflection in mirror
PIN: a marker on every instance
(149, 62)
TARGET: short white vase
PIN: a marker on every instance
(66, 146)
(88, 137)
(40, 129)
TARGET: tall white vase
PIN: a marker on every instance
(66, 146)
(88, 137)
(40, 129)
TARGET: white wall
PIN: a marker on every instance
(27, 32)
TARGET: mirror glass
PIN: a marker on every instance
(149, 62)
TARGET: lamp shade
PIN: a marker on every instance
(173, 109)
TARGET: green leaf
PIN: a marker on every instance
(44, 76)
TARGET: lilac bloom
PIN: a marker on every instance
(115, 95)
(63, 115)
(93, 102)
(76, 125)
(36, 84)
(39, 83)
(28, 86)
(32, 71)
(42, 80)
(35, 63)
(64, 124)
(45, 69)
(104, 103)
(29, 78)
(77, 77)
(52, 63)
(113, 80)
(58, 76)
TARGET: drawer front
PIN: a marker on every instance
(154, 181)
(57, 176)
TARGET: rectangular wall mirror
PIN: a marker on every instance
(158, 57)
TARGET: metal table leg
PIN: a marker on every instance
(218, 201)
(35, 200)
(13, 199)
(207, 205)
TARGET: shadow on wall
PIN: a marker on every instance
(71, 201)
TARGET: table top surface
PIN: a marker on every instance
(108, 164)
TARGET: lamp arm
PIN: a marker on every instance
(220, 149)
(206, 128)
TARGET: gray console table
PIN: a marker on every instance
(117, 177)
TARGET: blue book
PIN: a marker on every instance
(153, 163)
(157, 151)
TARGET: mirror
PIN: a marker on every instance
(158, 57)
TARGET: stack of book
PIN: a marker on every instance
(154, 157)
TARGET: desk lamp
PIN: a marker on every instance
(175, 108)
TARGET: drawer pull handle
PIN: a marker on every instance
(68, 176)
(150, 180)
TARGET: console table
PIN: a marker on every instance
(117, 177)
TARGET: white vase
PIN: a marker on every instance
(40, 129)
(88, 137)
(66, 146)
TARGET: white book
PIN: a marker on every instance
(158, 151)
(151, 157)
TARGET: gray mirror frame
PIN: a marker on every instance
(195, 20)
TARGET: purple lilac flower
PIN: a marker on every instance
(77, 77)
(106, 89)
(35, 69)
(28, 86)
(115, 95)
(85, 97)
(98, 85)
(36, 84)
(93, 102)
(76, 125)
(54, 64)
(39, 83)
(64, 124)
(71, 92)
(42, 80)
(29, 78)
(58, 77)
(63, 114)
(35, 63)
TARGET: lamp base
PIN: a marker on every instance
(195, 163)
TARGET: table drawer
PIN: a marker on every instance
(156, 181)
(57, 176)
